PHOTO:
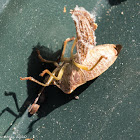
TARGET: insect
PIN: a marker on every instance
(89, 62)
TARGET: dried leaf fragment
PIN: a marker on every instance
(64, 10)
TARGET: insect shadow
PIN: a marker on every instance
(20, 111)
(115, 2)
(52, 97)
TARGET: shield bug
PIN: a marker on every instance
(89, 62)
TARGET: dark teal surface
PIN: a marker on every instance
(108, 108)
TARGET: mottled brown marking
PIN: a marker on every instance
(85, 27)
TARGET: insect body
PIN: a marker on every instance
(89, 62)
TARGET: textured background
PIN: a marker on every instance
(108, 107)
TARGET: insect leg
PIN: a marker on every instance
(64, 48)
(42, 84)
(44, 60)
(60, 74)
(73, 45)
(85, 67)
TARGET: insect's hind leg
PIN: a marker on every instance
(85, 67)
(44, 60)
(64, 48)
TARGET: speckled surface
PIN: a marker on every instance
(108, 108)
